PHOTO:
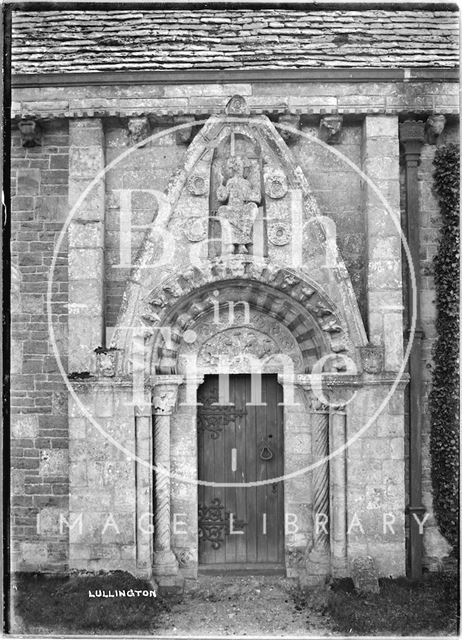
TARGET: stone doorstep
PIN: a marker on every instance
(168, 585)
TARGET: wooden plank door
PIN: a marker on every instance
(240, 527)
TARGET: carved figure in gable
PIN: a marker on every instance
(242, 195)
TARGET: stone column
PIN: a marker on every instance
(165, 393)
(338, 506)
(143, 483)
(86, 243)
(184, 495)
(380, 162)
(298, 490)
(320, 440)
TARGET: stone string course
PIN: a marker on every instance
(201, 100)
(91, 41)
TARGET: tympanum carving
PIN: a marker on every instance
(236, 345)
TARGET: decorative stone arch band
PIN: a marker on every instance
(294, 300)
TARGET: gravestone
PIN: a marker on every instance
(365, 575)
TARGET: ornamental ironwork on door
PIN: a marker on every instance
(213, 417)
(215, 420)
(215, 523)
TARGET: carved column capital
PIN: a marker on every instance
(412, 137)
(165, 393)
(317, 406)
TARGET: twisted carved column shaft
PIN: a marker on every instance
(320, 422)
(162, 464)
(164, 399)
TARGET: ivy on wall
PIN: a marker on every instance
(444, 395)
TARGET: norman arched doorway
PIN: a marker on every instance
(239, 312)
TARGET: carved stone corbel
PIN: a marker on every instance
(138, 129)
(106, 361)
(290, 120)
(183, 136)
(330, 128)
(372, 358)
(434, 128)
(31, 133)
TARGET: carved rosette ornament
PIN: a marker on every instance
(279, 232)
(138, 129)
(195, 229)
(197, 184)
(330, 128)
(276, 185)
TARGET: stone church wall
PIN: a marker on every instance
(39, 422)
(39, 206)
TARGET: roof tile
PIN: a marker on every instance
(89, 41)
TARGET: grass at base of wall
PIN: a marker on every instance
(428, 607)
(64, 605)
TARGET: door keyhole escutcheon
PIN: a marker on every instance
(266, 452)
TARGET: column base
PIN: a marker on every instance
(164, 563)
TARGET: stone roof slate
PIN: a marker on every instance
(152, 40)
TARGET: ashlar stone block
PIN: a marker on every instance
(54, 462)
(24, 426)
